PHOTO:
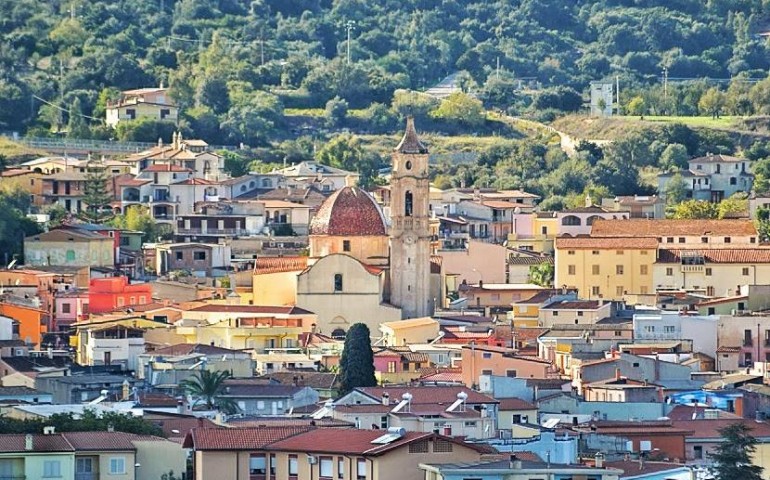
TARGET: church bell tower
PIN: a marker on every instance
(410, 231)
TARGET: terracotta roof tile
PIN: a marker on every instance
(640, 227)
(349, 211)
(719, 255)
(159, 167)
(265, 265)
(515, 404)
(612, 243)
(728, 349)
(347, 441)
(190, 348)
(41, 443)
(103, 441)
(708, 428)
(574, 305)
(718, 158)
(239, 438)
(288, 310)
(428, 395)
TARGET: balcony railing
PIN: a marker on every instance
(215, 231)
(87, 476)
(692, 268)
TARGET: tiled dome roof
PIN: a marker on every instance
(349, 211)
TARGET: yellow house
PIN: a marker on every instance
(152, 103)
(545, 227)
(275, 280)
(513, 413)
(407, 332)
(607, 268)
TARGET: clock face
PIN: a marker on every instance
(409, 239)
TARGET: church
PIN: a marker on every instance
(360, 268)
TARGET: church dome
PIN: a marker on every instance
(348, 212)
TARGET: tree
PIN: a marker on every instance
(346, 152)
(674, 157)
(712, 102)
(676, 190)
(542, 274)
(88, 421)
(694, 209)
(95, 194)
(138, 218)
(336, 112)
(737, 204)
(208, 386)
(636, 106)
(732, 457)
(462, 109)
(14, 225)
(77, 127)
(357, 361)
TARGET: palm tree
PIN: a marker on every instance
(208, 387)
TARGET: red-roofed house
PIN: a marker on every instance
(480, 360)
(271, 453)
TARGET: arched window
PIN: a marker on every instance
(590, 220)
(337, 282)
(408, 204)
(206, 167)
(338, 333)
(266, 183)
(571, 221)
(243, 188)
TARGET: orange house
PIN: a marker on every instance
(110, 294)
(33, 322)
(488, 360)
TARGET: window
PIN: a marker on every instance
(419, 447)
(340, 467)
(556, 314)
(293, 466)
(747, 340)
(391, 367)
(753, 240)
(384, 422)
(619, 292)
(618, 333)
(708, 271)
(117, 466)
(337, 282)
(199, 255)
(486, 355)
(594, 269)
(643, 290)
(570, 270)
(510, 373)
(618, 269)
(728, 239)
(261, 403)
(346, 245)
(649, 329)
(595, 290)
(408, 204)
(571, 221)
(669, 271)
(470, 424)
(643, 252)
(82, 465)
(681, 239)
(745, 271)
(704, 239)
(733, 181)
(570, 252)
(580, 313)
(669, 329)
(595, 252)
(52, 468)
(273, 459)
(442, 446)
(180, 255)
(325, 467)
(697, 452)
(361, 469)
(544, 230)
(121, 301)
(66, 308)
(643, 269)
(70, 255)
(486, 372)
(257, 464)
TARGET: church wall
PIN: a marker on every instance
(364, 248)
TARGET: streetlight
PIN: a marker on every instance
(481, 276)
(349, 25)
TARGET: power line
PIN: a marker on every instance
(69, 111)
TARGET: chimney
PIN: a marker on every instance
(481, 283)
(29, 442)
(180, 406)
(589, 201)
(110, 428)
(599, 460)
(515, 463)
(617, 374)
(386, 399)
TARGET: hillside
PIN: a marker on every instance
(234, 64)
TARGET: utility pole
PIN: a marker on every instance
(617, 93)
(61, 94)
(349, 25)
(262, 46)
(497, 70)
(665, 83)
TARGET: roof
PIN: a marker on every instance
(709, 428)
(515, 404)
(606, 242)
(282, 204)
(410, 323)
(640, 227)
(349, 211)
(265, 265)
(239, 388)
(349, 441)
(317, 380)
(544, 469)
(718, 255)
(105, 441)
(41, 443)
(427, 394)
(710, 158)
(638, 200)
(410, 143)
(190, 348)
(530, 260)
(728, 349)
(632, 468)
(574, 305)
(238, 438)
(19, 391)
(159, 167)
(287, 310)
(31, 364)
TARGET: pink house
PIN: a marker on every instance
(70, 306)
(398, 364)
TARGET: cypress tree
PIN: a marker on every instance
(732, 457)
(357, 361)
(95, 194)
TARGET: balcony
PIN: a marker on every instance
(692, 268)
(235, 232)
(211, 198)
(87, 476)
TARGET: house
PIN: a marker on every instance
(22, 394)
(517, 469)
(222, 219)
(742, 338)
(398, 364)
(486, 295)
(621, 390)
(606, 267)
(712, 177)
(406, 332)
(478, 261)
(664, 437)
(578, 312)
(65, 188)
(110, 343)
(448, 410)
(480, 360)
(324, 177)
(274, 280)
(526, 312)
(110, 294)
(141, 103)
(326, 384)
(168, 366)
(77, 389)
(22, 371)
(686, 234)
(649, 470)
(283, 453)
(521, 262)
(575, 222)
(671, 376)
(286, 218)
(202, 259)
(656, 326)
(512, 412)
(705, 437)
(275, 361)
(638, 206)
(68, 247)
(253, 397)
(492, 220)
(33, 322)
(70, 306)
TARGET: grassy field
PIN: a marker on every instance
(15, 151)
(725, 122)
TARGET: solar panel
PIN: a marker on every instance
(386, 439)
(551, 423)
